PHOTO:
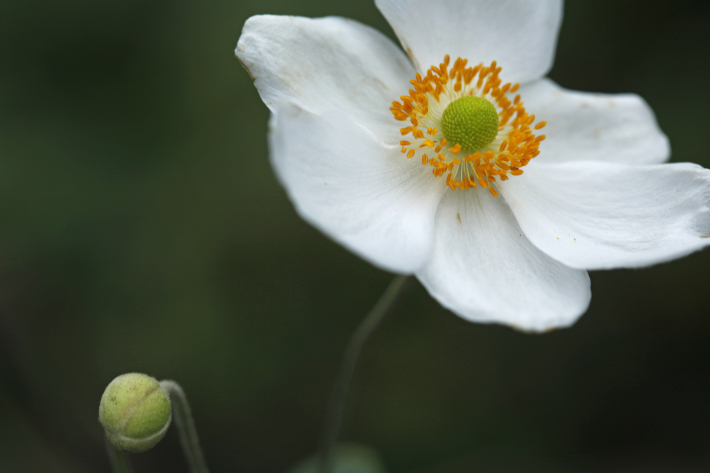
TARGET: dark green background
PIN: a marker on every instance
(143, 230)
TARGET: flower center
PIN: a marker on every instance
(463, 124)
(470, 121)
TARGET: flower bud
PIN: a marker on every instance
(135, 412)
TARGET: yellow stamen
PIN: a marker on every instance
(513, 148)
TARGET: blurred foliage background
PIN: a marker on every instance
(143, 230)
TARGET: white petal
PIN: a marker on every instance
(325, 64)
(596, 215)
(361, 192)
(520, 34)
(485, 270)
(583, 126)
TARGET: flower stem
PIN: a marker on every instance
(336, 406)
(119, 460)
(186, 427)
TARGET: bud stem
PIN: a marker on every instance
(186, 427)
(336, 406)
(119, 460)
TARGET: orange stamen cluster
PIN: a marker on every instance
(512, 149)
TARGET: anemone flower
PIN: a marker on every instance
(433, 162)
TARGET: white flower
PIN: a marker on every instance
(594, 196)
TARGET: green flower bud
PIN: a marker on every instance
(135, 412)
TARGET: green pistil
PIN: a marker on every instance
(471, 122)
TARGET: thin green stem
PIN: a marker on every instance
(119, 460)
(186, 427)
(336, 406)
